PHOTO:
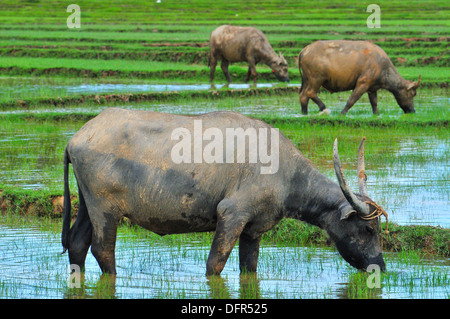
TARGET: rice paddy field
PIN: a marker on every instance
(154, 56)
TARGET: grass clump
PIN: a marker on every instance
(427, 240)
(23, 202)
(291, 232)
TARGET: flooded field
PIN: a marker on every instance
(59, 69)
(31, 267)
(32, 87)
(408, 174)
(408, 168)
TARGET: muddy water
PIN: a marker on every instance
(31, 267)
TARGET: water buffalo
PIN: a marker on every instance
(123, 163)
(244, 44)
(361, 66)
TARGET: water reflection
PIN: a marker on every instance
(356, 288)
(31, 267)
(105, 288)
(249, 287)
(41, 88)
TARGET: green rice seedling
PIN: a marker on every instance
(358, 287)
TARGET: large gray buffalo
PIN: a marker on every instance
(162, 172)
(244, 44)
(361, 66)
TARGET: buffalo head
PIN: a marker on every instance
(356, 233)
(405, 95)
(280, 68)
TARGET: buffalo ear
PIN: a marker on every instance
(346, 211)
(282, 60)
(414, 85)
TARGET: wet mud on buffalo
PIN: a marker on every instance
(123, 166)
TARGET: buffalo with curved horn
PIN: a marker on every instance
(123, 166)
(362, 208)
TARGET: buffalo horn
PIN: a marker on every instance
(361, 207)
(362, 177)
(282, 59)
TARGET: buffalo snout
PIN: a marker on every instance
(280, 76)
(378, 260)
(408, 109)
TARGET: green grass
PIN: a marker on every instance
(120, 37)
(233, 11)
(144, 42)
(33, 142)
(95, 65)
(312, 135)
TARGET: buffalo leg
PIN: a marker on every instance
(248, 253)
(304, 102)
(212, 65)
(247, 77)
(224, 66)
(252, 69)
(304, 99)
(373, 102)
(319, 103)
(230, 223)
(80, 235)
(356, 94)
(309, 91)
(104, 241)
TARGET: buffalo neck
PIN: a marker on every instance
(313, 197)
(268, 56)
(393, 81)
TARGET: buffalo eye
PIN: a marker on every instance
(371, 230)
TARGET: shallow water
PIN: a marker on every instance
(34, 87)
(31, 267)
(420, 186)
(31, 154)
(412, 184)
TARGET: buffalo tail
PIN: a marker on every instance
(67, 205)
(304, 79)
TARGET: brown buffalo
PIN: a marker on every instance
(345, 65)
(244, 44)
